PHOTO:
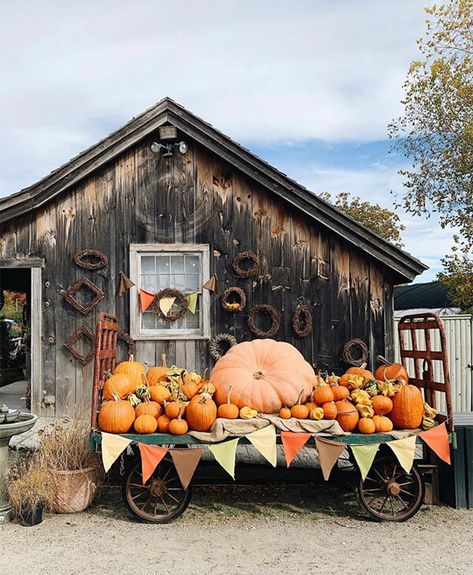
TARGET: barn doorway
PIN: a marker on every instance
(19, 341)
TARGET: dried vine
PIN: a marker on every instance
(302, 321)
(253, 267)
(268, 310)
(347, 353)
(215, 345)
(230, 295)
(181, 302)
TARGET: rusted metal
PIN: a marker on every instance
(425, 323)
(105, 358)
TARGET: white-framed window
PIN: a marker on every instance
(184, 267)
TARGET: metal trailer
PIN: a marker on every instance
(388, 493)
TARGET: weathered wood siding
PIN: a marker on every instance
(196, 198)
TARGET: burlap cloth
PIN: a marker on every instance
(224, 428)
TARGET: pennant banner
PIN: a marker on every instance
(166, 303)
(151, 456)
(404, 450)
(186, 462)
(293, 443)
(125, 284)
(225, 454)
(112, 447)
(192, 301)
(437, 439)
(364, 456)
(212, 284)
(264, 440)
(146, 299)
(329, 452)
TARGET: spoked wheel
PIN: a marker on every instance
(389, 493)
(161, 499)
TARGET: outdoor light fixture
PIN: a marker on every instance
(167, 150)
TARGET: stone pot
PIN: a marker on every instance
(74, 490)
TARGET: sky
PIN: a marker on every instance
(308, 85)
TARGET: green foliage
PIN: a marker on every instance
(457, 277)
(6, 346)
(13, 306)
(380, 220)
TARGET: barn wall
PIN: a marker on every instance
(196, 198)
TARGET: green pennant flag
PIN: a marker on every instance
(364, 456)
(225, 454)
(192, 301)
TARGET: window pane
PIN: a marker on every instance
(148, 283)
(178, 282)
(148, 320)
(147, 264)
(162, 282)
(193, 283)
(177, 264)
(192, 264)
(162, 265)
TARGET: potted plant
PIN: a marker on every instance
(29, 490)
(74, 468)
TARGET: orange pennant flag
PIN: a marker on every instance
(146, 299)
(437, 439)
(151, 456)
(293, 442)
(329, 452)
(186, 461)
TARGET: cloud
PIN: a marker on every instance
(262, 71)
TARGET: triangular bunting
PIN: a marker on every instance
(329, 452)
(186, 462)
(364, 456)
(293, 443)
(146, 299)
(125, 283)
(212, 284)
(151, 456)
(166, 303)
(437, 439)
(112, 447)
(225, 454)
(192, 301)
(264, 440)
(404, 450)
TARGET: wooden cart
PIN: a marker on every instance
(388, 493)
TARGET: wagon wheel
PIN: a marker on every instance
(161, 499)
(389, 493)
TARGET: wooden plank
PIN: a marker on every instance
(22, 262)
(359, 298)
(376, 340)
(340, 330)
(36, 327)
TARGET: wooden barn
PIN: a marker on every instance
(171, 202)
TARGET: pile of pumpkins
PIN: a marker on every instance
(365, 402)
(261, 376)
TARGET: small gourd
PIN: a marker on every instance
(300, 411)
(228, 410)
(247, 413)
(317, 413)
(178, 426)
(285, 412)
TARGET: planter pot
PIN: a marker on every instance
(30, 517)
(74, 490)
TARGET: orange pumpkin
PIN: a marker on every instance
(116, 416)
(145, 424)
(148, 408)
(178, 426)
(285, 413)
(382, 424)
(159, 393)
(340, 392)
(351, 381)
(408, 407)
(323, 394)
(347, 415)
(163, 423)
(228, 410)
(381, 404)
(330, 410)
(190, 389)
(391, 371)
(264, 374)
(158, 373)
(173, 408)
(120, 384)
(133, 369)
(201, 412)
(366, 425)
(300, 411)
(365, 373)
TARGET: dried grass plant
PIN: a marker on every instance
(65, 446)
(29, 486)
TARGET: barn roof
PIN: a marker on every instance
(404, 266)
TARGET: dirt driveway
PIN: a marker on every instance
(238, 530)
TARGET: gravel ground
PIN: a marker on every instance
(241, 530)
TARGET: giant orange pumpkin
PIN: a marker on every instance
(408, 407)
(264, 374)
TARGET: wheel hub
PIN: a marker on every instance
(158, 487)
(393, 488)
